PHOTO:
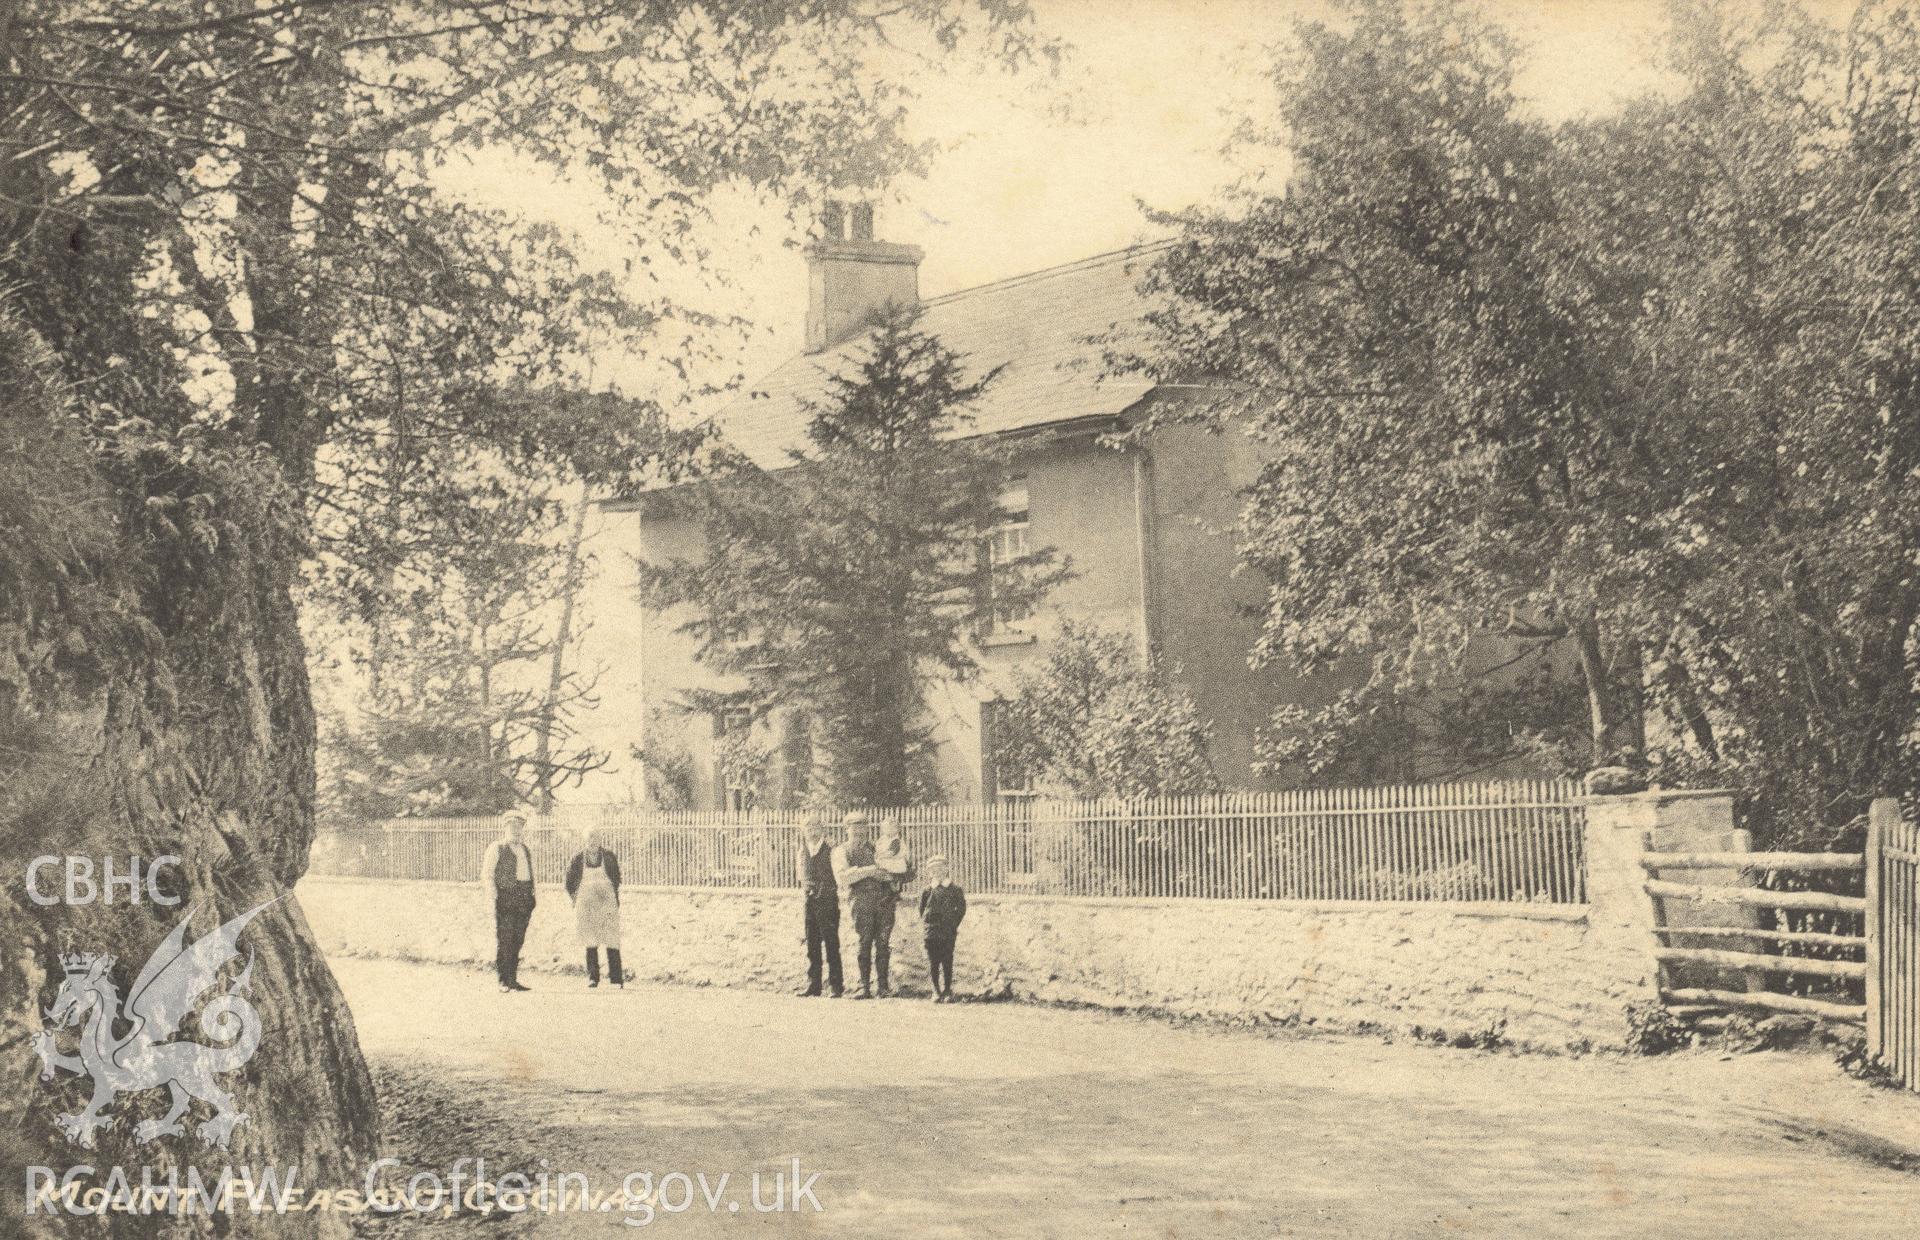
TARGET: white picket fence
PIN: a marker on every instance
(1513, 841)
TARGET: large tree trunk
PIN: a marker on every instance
(200, 747)
(1615, 721)
(1690, 709)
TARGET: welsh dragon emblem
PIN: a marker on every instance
(163, 995)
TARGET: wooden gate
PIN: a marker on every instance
(1893, 942)
(1773, 966)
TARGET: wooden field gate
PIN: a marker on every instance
(1793, 948)
(1893, 942)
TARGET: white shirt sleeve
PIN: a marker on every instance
(488, 860)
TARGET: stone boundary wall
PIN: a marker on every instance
(1539, 975)
(1545, 975)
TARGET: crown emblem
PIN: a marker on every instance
(77, 962)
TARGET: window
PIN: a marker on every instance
(1008, 786)
(738, 641)
(1012, 782)
(1005, 781)
(1009, 543)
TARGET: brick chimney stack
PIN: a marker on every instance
(851, 277)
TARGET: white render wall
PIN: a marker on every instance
(1535, 975)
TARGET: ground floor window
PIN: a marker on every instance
(1006, 784)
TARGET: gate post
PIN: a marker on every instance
(1881, 815)
(1620, 832)
(1619, 910)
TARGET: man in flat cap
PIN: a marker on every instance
(814, 866)
(506, 874)
(870, 892)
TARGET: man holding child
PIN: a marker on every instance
(871, 881)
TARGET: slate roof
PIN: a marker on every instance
(1043, 328)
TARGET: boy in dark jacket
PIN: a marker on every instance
(942, 908)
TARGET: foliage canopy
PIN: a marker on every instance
(1644, 388)
(843, 582)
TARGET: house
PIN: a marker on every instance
(1146, 526)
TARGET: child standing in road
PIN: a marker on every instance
(942, 908)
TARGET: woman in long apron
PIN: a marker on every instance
(593, 884)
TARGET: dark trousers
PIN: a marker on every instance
(615, 973)
(873, 922)
(940, 959)
(823, 939)
(510, 917)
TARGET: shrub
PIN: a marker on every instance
(1098, 720)
(1652, 1030)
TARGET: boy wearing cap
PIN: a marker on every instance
(942, 908)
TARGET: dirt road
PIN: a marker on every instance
(1005, 1120)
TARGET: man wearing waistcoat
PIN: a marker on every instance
(870, 891)
(814, 867)
(507, 874)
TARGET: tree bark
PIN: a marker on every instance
(202, 748)
(1612, 728)
(1687, 704)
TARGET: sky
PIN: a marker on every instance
(1155, 89)
(1162, 84)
